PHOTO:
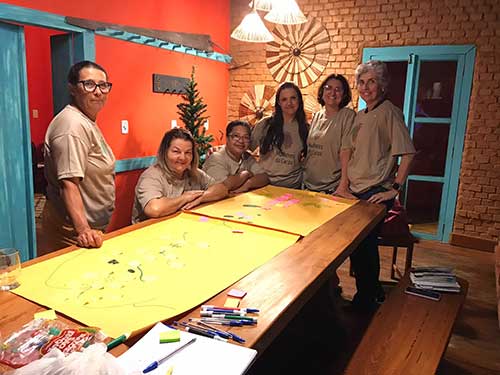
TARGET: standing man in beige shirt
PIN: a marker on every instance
(79, 164)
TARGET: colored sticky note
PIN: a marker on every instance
(232, 302)
(47, 314)
(172, 335)
(237, 293)
(203, 219)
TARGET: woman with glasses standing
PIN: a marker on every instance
(328, 143)
(233, 164)
(282, 138)
(79, 164)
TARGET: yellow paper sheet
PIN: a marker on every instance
(290, 210)
(152, 273)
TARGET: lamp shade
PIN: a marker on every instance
(264, 5)
(252, 29)
(285, 12)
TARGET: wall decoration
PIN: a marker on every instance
(257, 103)
(311, 105)
(169, 84)
(299, 53)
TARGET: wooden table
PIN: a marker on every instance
(278, 288)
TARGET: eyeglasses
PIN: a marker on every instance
(90, 86)
(239, 138)
(331, 88)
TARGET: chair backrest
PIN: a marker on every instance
(395, 225)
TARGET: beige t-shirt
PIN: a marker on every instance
(153, 183)
(283, 168)
(75, 147)
(220, 165)
(327, 137)
(378, 138)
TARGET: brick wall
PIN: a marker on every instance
(356, 24)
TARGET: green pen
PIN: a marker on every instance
(119, 340)
(227, 316)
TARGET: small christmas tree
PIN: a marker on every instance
(191, 113)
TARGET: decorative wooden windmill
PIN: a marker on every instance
(299, 53)
(256, 103)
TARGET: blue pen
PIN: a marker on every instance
(155, 364)
(224, 322)
(229, 310)
(219, 311)
(219, 332)
(237, 338)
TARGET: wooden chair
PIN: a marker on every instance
(406, 242)
(395, 233)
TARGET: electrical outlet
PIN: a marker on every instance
(35, 113)
(124, 127)
(173, 124)
(206, 125)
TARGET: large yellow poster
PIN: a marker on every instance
(289, 210)
(152, 273)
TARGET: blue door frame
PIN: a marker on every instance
(17, 219)
(464, 55)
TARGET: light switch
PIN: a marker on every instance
(124, 127)
(206, 125)
(35, 113)
(173, 124)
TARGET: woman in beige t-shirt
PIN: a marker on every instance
(328, 143)
(282, 138)
(174, 182)
(379, 138)
(79, 165)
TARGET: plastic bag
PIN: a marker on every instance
(93, 360)
(39, 336)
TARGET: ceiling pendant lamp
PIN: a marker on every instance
(264, 5)
(252, 29)
(285, 12)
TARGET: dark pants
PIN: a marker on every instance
(365, 259)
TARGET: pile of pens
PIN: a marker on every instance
(226, 316)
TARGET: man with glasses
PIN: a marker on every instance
(233, 165)
(79, 165)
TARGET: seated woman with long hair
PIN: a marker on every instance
(174, 182)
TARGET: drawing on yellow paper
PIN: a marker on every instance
(152, 273)
(289, 210)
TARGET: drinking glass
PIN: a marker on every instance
(10, 268)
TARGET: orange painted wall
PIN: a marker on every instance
(130, 67)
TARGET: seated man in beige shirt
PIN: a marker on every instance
(233, 165)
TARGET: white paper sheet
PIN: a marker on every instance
(205, 356)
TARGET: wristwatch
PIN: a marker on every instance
(396, 186)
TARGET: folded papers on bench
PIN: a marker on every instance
(435, 278)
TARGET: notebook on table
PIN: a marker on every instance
(204, 356)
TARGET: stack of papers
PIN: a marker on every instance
(205, 356)
(435, 278)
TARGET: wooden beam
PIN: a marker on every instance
(200, 42)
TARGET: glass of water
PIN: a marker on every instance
(10, 268)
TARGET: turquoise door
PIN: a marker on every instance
(17, 227)
(432, 87)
